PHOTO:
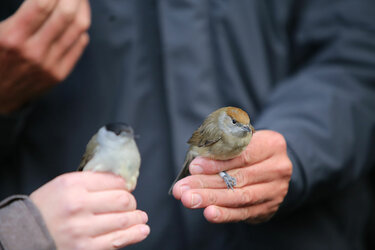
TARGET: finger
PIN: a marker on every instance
(197, 182)
(61, 18)
(100, 181)
(265, 171)
(261, 147)
(122, 238)
(247, 196)
(106, 223)
(111, 201)
(31, 16)
(65, 42)
(254, 214)
(70, 59)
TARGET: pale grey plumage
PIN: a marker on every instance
(113, 149)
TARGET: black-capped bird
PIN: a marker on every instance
(113, 149)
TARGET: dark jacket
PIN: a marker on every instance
(303, 68)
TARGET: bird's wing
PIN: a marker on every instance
(90, 151)
(204, 136)
(190, 155)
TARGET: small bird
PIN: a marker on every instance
(223, 135)
(113, 149)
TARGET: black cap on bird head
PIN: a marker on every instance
(120, 127)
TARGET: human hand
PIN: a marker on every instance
(262, 171)
(90, 210)
(39, 45)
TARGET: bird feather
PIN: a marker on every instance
(90, 152)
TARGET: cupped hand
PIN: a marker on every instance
(86, 210)
(262, 171)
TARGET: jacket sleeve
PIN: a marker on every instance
(22, 226)
(326, 108)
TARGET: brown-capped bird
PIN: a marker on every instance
(223, 135)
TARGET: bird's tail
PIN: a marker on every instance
(184, 171)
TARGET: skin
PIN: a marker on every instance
(262, 171)
(39, 46)
(87, 210)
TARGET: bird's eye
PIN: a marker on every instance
(234, 121)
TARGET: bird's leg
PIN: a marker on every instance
(229, 180)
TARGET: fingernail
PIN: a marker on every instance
(196, 169)
(196, 200)
(184, 188)
(145, 230)
(144, 217)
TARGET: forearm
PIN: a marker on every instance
(326, 108)
(22, 226)
(327, 116)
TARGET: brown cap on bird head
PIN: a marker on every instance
(238, 114)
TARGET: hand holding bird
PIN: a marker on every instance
(262, 171)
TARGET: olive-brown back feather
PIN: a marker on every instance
(207, 134)
(89, 153)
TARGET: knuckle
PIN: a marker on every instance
(279, 200)
(245, 158)
(212, 198)
(85, 38)
(124, 200)
(217, 166)
(257, 217)
(11, 44)
(67, 12)
(240, 178)
(241, 215)
(72, 229)
(289, 169)
(63, 181)
(284, 190)
(200, 183)
(73, 206)
(247, 198)
(279, 141)
(124, 221)
(35, 56)
(66, 181)
(133, 202)
(227, 217)
(284, 169)
(44, 6)
(140, 217)
(58, 75)
(82, 23)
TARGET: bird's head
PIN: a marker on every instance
(115, 134)
(120, 129)
(235, 121)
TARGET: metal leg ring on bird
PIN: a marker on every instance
(229, 180)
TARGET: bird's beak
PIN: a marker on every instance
(246, 128)
(252, 129)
